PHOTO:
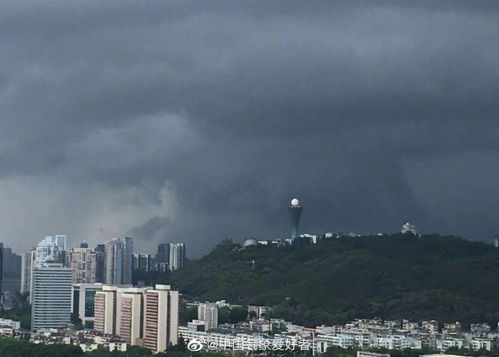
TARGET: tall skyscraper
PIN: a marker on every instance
(142, 262)
(208, 312)
(1, 266)
(49, 249)
(162, 255)
(83, 264)
(26, 260)
(161, 318)
(127, 260)
(114, 261)
(119, 254)
(11, 270)
(61, 240)
(51, 297)
(100, 259)
(295, 211)
(176, 255)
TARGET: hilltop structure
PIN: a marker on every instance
(295, 211)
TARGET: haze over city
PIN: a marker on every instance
(194, 121)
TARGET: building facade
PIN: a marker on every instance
(142, 262)
(83, 264)
(142, 316)
(119, 256)
(176, 255)
(26, 261)
(130, 321)
(51, 297)
(105, 310)
(208, 312)
(161, 318)
(83, 301)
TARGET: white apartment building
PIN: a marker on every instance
(481, 344)
(392, 342)
(176, 255)
(323, 342)
(48, 250)
(446, 343)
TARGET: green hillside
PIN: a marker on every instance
(398, 276)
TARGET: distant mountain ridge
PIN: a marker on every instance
(393, 276)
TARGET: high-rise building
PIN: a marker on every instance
(119, 254)
(51, 249)
(176, 255)
(11, 270)
(208, 312)
(170, 255)
(142, 262)
(162, 255)
(295, 211)
(114, 261)
(161, 318)
(51, 296)
(83, 301)
(47, 251)
(100, 248)
(105, 310)
(26, 260)
(130, 314)
(83, 264)
(127, 260)
(100, 261)
(1, 266)
(61, 240)
(142, 316)
(118, 311)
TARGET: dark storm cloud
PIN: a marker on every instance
(197, 120)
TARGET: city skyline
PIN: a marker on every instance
(214, 178)
(139, 121)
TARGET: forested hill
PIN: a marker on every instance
(397, 276)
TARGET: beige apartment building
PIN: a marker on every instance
(105, 309)
(161, 318)
(146, 317)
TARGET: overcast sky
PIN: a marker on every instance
(198, 120)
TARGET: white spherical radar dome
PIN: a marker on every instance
(295, 202)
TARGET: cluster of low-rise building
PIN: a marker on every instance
(87, 340)
(360, 333)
